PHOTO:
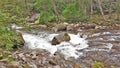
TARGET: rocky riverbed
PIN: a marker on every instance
(104, 47)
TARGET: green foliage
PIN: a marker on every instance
(118, 6)
(46, 17)
(98, 65)
(75, 12)
(10, 12)
(15, 11)
(70, 11)
(45, 8)
(8, 38)
(11, 59)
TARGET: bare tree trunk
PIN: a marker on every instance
(91, 7)
(101, 10)
(55, 10)
(110, 9)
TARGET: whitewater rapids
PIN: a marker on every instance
(67, 49)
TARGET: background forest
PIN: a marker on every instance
(49, 11)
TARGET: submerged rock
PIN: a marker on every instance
(60, 38)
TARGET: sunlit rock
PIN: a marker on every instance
(59, 27)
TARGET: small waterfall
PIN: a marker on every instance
(67, 49)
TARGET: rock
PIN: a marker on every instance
(70, 59)
(2, 65)
(33, 55)
(26, 66)
(77, 65)
(70, 27)
(57, 66)
(73, 27)
(32, 65)
(59, 27)
(38, 26)
(53, 61)
(88, 26)
(4, 60)
(65, 23)
(60, 38)
(22, 41)
(13, 64)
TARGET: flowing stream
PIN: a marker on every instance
(86, 47)
(100, 41)
(42, 40)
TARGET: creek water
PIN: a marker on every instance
(43, 40)
(86, 47)
(99, 41)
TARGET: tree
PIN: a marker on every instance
(101, 10)
(55, 10)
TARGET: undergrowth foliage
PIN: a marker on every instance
(10, 14)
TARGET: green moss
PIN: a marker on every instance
(113, 67)
(98, 65)
(10, 59)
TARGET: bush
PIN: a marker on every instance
(45, 9)
(73, 14)
(8, 38)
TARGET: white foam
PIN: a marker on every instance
(67, 49)
(14, 26)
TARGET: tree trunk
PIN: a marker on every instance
(55, 10)
(101, 10)
(110, 9)
(91, 7)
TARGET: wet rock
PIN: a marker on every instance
(4, 60)
(60, 38)
(53, 61)
(20, 37)
(13, 64)
(33, 55)
(70, 59)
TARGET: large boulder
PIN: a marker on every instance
(59, 27)
(60, 38)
